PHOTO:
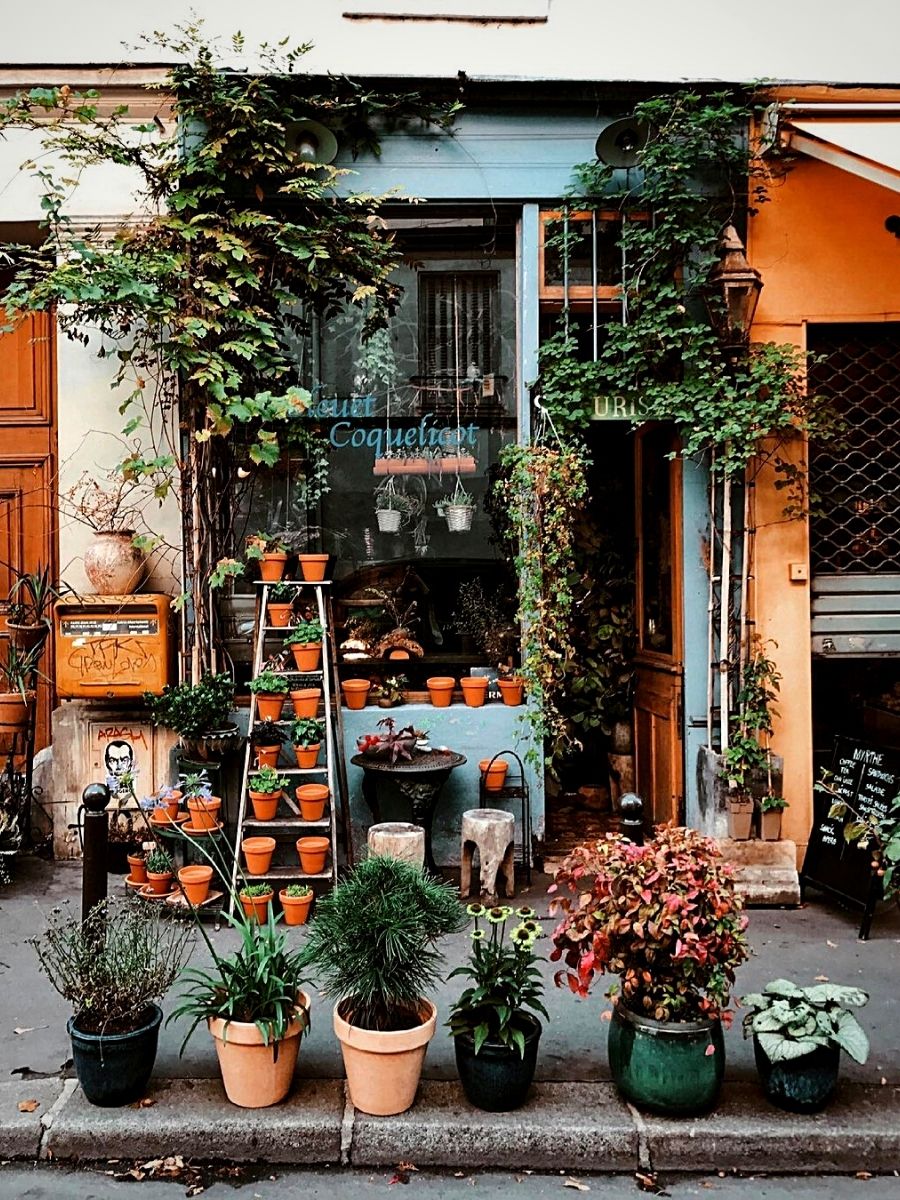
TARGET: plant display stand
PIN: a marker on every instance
(515, 788)
(333, 773)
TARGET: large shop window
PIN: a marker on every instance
(415, 419)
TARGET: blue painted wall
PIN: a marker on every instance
(475, 732)
(695, 516)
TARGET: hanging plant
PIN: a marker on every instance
(542, 489)
(457, 509)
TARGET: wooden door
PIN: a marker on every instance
(658, 721)
(27, 458)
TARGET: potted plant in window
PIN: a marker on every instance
(798, 1035)
(391, 506)
(389, 693)
(665, 918)
(31, 600)
(112, 968)
(771, 809)
(199, 713)
(270, 552)
(265, 788)
(493, 1023)
(270, 690)
(372, 943)
(254, 1006)
(306, 736)
(305, 642)
(267, 738)
(458, 509)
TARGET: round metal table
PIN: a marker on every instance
(420, 781)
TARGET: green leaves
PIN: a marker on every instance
(790, 1021)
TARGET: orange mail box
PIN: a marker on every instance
(112, 646)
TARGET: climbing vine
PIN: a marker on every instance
(238, 245)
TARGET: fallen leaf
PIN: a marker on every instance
(20, 1029)
(822, 979)
(709, 1051)
(577, 1185)
(29, 1105)
(606, 1015)
(883, 1081)
(833, 945)
(863, 1174)
(648, 1182)
(145, 1102)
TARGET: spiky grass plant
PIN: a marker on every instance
(372, 943)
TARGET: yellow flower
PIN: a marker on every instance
(520, 936)
(525, 912)
(477, 935)
(476, 910)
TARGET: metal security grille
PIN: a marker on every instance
(856, 529)
(457, 325)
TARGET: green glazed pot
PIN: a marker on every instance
(664, 1066)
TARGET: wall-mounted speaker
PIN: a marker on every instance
(312, 142)
(620, 142)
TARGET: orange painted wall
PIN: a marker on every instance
(825, 256)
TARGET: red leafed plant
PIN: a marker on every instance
(663, 917)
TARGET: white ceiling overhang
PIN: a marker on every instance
(867, 145)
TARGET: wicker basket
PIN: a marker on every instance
(459, 517)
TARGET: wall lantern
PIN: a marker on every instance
(732, 291)
(311, 142)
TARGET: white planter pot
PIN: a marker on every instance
(388, 519)
(459, 517)
(113, 565)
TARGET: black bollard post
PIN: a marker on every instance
(96, 835)
(631, 819)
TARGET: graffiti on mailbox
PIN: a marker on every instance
(113, 660)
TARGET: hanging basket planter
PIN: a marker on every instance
(459, 517)
(388, 520)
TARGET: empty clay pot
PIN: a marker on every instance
(307, 756)
(313, 853)
(258, 853)
(269, 705)
(474, 690)
(313, 566)
(138, 865)
(356, 692)
(512, 690)
(295, 908)
(280, 615)
(312, 798)
(440, 690)
(307, 655)
(195, 881)
(494, 773)
(306, 701)
(267, 756)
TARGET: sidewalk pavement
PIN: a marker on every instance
(574, 1118)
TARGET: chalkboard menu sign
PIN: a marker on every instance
(868, 778)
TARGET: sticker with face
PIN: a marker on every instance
(119, 759)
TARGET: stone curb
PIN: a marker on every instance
(578, 1127)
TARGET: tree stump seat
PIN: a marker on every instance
(493, 833)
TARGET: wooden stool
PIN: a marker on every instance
(400, 840)
(494, 833)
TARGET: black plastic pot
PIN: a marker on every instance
(114, 1069)
(802, 1085)
(496, 1079)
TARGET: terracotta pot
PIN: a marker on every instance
(138, 866)
(383, 1069)
(195, 881)
(26, 637)
(770, 824)
(306, 701)
(14, 711)
(398, 654)
(271, 567)
(280, 615)
(265, 804)
(204, 813)
(440, 690)
(494, 773)
(474, 690)
(313, 566)
(269, 705)
(258, 853)
(312, 798)
(267, 756)
(307, 756)
(113, 565)
(256, 907)
(160, 883)
(313, 853)
(295, 908)
(740, 817)
(307, 655)
(256, 1075)
(173, 803)
(512, 691)
(356, 692)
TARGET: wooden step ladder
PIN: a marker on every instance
(334, 769)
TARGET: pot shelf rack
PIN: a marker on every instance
(334, 770)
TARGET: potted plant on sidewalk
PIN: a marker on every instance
(305, 642)
(665, 918)
(112, 968)
(372, 944)
(306, 736)
(270, 690)
(199, 713)
(771, 809)
(798, 1035)
(494, 1027)
(265, 788)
